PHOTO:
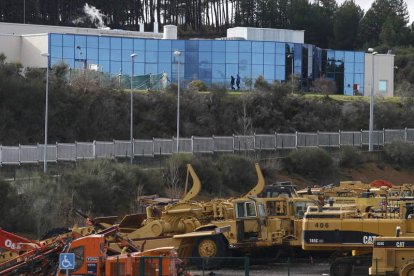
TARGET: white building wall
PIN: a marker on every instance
(10, 46)
(21, 29)
(267, 34)
(383, 74)
(32, 48)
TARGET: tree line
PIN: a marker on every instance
(326, 23)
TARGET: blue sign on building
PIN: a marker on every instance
(66, 261)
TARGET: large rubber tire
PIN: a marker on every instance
(209, 251)
(341, 269)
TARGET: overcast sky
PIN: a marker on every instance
(366, 4)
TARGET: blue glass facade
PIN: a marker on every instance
(212, 61)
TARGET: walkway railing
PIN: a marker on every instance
(23, 154)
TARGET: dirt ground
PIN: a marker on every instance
(367, 173)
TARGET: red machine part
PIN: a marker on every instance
(380, 183)
(13, 242)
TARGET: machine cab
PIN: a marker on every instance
(250, 216)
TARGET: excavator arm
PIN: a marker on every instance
(195, 189)
(260, 183)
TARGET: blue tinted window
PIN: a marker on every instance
(56, 52)
(245, 71)
(139, 68)
(218, 71)
(257, 47)
(80, 40)
(339, 55)
(54, 61)
(116, 55)
(218, 46)
(257, 70)
(359, 68)
(298, 61)
(359, 79)
(116, 67)
(280, 73)
(359, 57)
(289, 48)
(104, 42)
(165, 68)
(178, 45)
(180, 58)
(127, 68)
(348, 84)
(92, 61)
(219, 57)
(191, 72)
(151, 45)
(191, 58)
(245, 58)
(151, 57)
(232, 46)
(298, 70)
(349, 56)
(349, 67)
(92, 53)
(104, 54)
(269, 59)
(139, 45)
(269, 72)
(232, 58)
(92, 41)
(281, 48)
(164, 57)
(231, 70)
(56, 40)
(126, 55)
(165, 45)
(245, 46)
(68, 52)
(116, 43)
(68, 40)
(205, 71)
(204, 46)
(257, 58)
(104, 65)
(280, 59)
(204, 57)
(191, 46)
(127, 44)
(69, 62)
(269, 47)
(80, 53)
(174, 72)
(151, 68)
(331, 55)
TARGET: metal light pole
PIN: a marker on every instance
(177, 54)
(133, 55)
(46, 112)
(291, 57)
(371, 104)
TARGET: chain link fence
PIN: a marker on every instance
(27, 154)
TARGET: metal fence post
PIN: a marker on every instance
(383, 137)
(254, 142)
(317, 138)
(339, 138)
(133, 149)
(246, 266)
(233, 143)
(57, 152)
(76, 150)
(361, 138)
(405, 135)
(94, 149)
(214, 144)
(1, 154)
(20, 153)
(153, 148)
(192, 144)
(275, 141)
(296, 140)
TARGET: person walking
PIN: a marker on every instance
(238, 82)
(232, 82)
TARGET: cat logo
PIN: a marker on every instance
(368, 239)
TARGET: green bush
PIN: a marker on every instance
(262, 85)
(400, 153)
(197, 86)
(314, 163)
(350, 157)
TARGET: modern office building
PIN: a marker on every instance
(250, 52)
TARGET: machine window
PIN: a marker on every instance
(246, 209)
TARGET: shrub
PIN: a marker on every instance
(324, 86)
(197, 85)
(314, 163)
(350, 157)
(262, 85)
(400, 153)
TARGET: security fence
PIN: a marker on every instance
(26, 154)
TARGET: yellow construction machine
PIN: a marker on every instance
(351, 233)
